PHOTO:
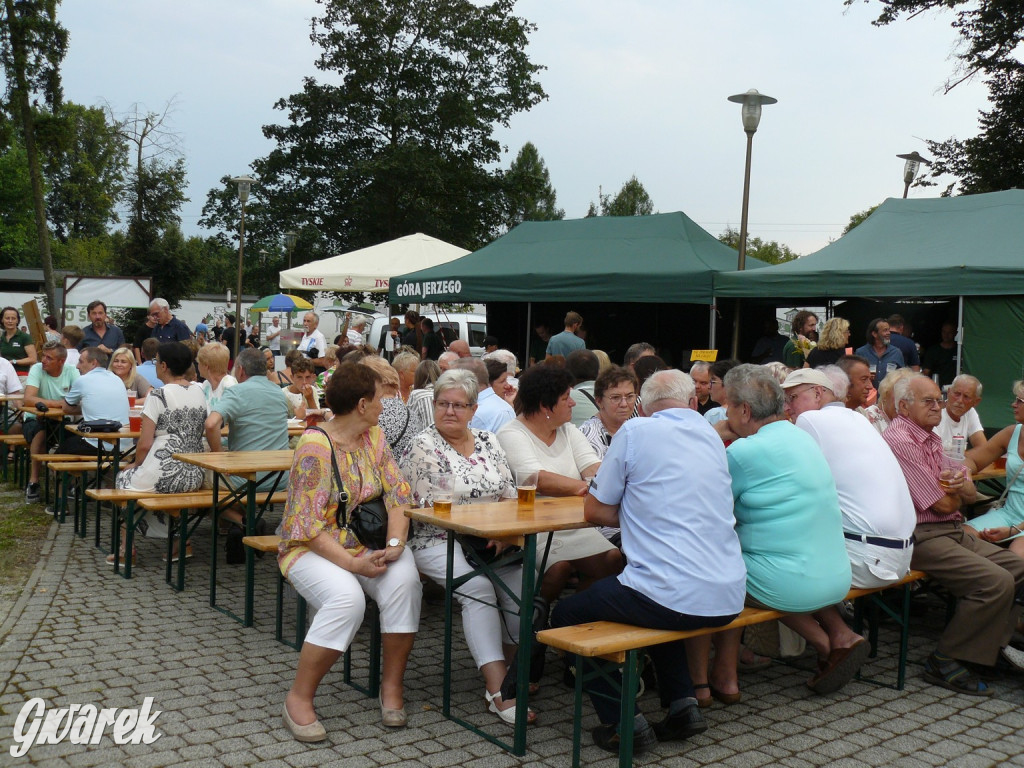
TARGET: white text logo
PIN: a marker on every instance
(82, 724)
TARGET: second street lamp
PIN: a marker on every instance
(751, 114)
(910, 169)
(244, 185)
(290, 238)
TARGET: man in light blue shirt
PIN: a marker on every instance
(97, 394)
(665, 482)
(492, 410)
(565, 342)
(148, 367)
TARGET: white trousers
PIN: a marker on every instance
(483, 624)
(338, 598)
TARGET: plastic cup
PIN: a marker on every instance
(135, 423)
(1000, 463)
(952, 471)
(526, 488)
(442, 491)
(132, 396)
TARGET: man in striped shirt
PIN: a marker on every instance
(984, 578)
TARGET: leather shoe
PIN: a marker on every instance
(308, 733)
(607, 738)
(682, 725)
(391, 718)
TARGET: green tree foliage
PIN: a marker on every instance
(768, 251)
(631, 200)
(858, 218)
(991, 34)
(84, 163)
(528, 192)
(399, 137)
(17, 223)
(32, 45)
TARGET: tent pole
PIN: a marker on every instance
(526, 354)
(711, 326)
(959, 335)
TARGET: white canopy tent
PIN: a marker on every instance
(370, 269)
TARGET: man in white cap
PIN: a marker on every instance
(878, 515)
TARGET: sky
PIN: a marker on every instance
(634, 88)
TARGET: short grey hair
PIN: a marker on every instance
(252, 361)
(505, 356)
(359, 321)
(902, 392)
(840, 381)
(162, 303)
(672, 384)
(966, 378)
(475, 366)
(405, 361)
(700, 365)
(457, 378)
(448, 358)
(756, 387)
(636, 351)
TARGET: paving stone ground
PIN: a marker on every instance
(81, 635)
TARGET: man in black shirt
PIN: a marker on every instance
(227, 338)
(432, 344)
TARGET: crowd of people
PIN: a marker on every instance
(778, 485)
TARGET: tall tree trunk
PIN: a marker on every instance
(20, 57)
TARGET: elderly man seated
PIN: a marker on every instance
(959, 417)
(685, 569)
(983, 577)
(878, 516)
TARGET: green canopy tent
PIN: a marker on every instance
(659, 259)
(969, 249)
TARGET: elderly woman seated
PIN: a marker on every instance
(330, 567)
(791, 534)
(400, 424)
(213, 367)
(479, 472)
(421, 398)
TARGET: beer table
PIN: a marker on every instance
(102, 454)
(991, 472)
(7, 413)
(250, 466)
(507, 521)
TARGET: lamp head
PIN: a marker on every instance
(751, 113)
(244, 184)
(912, 166)
(290, 239)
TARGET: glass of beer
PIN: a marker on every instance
(526, 487)
(442, 487)
(952, 472)
(132, 395)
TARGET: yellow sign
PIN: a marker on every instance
(708, 355)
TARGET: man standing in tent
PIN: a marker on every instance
(567, 341)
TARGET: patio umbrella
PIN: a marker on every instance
(280, 302)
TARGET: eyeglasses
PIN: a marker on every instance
(932, 402)
(791, 396)
(716, 382)
(617, 399)
(444, 405)
(1017, 401)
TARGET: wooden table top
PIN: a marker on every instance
(505, 519)
(122, 434)
(11, 398)
(52, 413)
(989, 472)
(247, 464)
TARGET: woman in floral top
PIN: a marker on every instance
(480, 472)
(329, 567)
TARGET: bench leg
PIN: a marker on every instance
(627, 709)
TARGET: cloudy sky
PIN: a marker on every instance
(634, 87)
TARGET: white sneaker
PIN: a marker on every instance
(1014, 656)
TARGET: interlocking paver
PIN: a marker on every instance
(81, 635)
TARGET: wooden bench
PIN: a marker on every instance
(65, 470)
(620, 644)
(17, 444)
(267, 544)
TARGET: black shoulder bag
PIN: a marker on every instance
(367, 521)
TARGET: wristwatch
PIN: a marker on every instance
(396, 543)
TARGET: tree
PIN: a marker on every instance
(85, 159)
(17, 223)
(768, 251)
(858, 218)
(401, 137)
(991, 33)
(528, 191)
(32, 45)
(631, 200)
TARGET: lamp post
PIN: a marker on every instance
(910, 169)
(751, 114)
(290, 238)
(244, 184)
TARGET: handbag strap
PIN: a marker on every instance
(1006, 489)
(405, 426)
(336, 477)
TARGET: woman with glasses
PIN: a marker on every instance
(1006, 523)
(479, 473)
(615, 395)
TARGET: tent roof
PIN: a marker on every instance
(971, 245)
(665, 257)
(369, 269)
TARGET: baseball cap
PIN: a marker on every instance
(808, 376)
(202, 328)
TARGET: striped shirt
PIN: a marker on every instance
(919, 453)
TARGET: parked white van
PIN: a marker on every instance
(469, 326)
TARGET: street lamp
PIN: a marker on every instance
(290, 238)
(751, 113)
(910, 169)
(244, 184)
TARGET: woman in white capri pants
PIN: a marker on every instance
(326, 563)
